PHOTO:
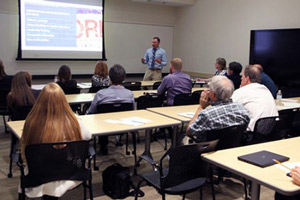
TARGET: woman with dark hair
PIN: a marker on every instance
(21, 93)
(5, 81)
(233, 73)
(65, 80)
(100, 77)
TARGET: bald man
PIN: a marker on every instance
(255, 97)
(176, 82)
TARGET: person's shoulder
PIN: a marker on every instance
(161, 49)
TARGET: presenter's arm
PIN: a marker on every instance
(164, 60)
(145, 59)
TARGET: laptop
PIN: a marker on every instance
(262, 158)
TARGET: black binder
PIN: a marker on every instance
(262, 158)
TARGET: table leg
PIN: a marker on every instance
(255, 191)
(147, 147)
(175, 138)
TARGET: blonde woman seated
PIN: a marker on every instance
(51, 120)
(100, 77)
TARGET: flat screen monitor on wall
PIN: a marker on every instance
(278, 51)
(61, 30)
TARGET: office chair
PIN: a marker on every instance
(57, 161)
(186, 173)
(132, 85)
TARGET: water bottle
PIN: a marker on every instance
(279, 95)
(55, 79)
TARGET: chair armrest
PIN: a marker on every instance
(150, 161)
(193, 138)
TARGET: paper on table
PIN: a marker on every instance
(290, 100)
(289, 165)
(187, 114)
(133, 121)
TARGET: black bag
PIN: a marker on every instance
(116, 181)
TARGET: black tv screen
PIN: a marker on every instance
(278, 51)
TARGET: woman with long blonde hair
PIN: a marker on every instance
(100, 77)
(51, 120)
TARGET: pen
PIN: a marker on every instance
(281, 164)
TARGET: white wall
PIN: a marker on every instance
(120, 11)
(221, 28)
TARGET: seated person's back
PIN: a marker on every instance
(5, 80)
(176, 82)
(100, 77)
(222, 113)
(21, 94)
(256, 98)
(116, 93)
(52, 120)
(64, 79)
(233, 73)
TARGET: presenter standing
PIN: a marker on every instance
(156, 59)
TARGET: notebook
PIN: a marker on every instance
(262, 158)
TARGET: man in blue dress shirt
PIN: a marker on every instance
(266, 80)
(156, 59)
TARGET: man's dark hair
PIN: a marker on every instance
(253, 73)
(117, 74)
(157, 39)
(235, 67)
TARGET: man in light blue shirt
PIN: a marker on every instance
(156, 59)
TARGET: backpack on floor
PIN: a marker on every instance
(117, 182)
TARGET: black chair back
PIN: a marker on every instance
(71, 90)
(56, 161)
(114, 107)
(20, 112)
(228, 137)
(156, 85)
(196, 96)
(183, 99)
(132, 85)
(96, 89)
(3, 98)
(149, 101)
(185, 163)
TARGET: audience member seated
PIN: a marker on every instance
(267, 81)
(256, 97)
(221, 113)
(233, 73)
(295, 173)
(220, 66)
(21, 93)
(5, 80)
(116, 93)
(176, 82)
(51, 120)
(65, 80)
(100, 77)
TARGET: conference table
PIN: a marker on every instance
(88, 97)
(106, 124)
(272, 177)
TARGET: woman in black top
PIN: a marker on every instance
(65, 80)
(233, 73)
(5, 81)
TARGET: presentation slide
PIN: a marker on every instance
(52, 29)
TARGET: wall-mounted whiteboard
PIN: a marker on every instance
(125, 43)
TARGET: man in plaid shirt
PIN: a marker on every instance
(216, 109)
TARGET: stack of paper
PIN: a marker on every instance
(133, 121)
(187, 114)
